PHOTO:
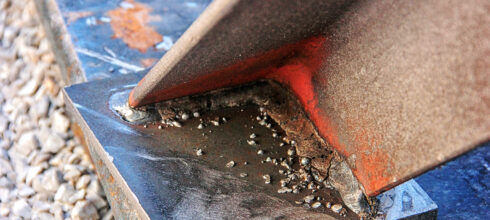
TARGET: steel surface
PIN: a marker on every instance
(396, 87)
(154, 173)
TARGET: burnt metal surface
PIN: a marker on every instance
(395, 87)
(154, 173)
(82, 38)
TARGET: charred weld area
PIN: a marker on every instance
(317, 163)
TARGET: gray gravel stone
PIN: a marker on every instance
(336, 208)
(64, 193)
(52, 179)
(27, 143)
(83, 181)
(84, 210)
(72, 175)
(40, 161)
(96, 200)
(40, 206)
(53, 144)
(5, 166)
(41, 108)
(21, 208)
(4, 195)
(79, 195)
(42, 216)
(33, 172)
(60, 122)
(4, 210)
(3, 124)
(25, 191)
(29, 88)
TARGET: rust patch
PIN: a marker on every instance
(75, 15)
(131, 25)
(147, 62)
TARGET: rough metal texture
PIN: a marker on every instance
(395, 87)
(281, 106)
(150, 172)
(226, 34)
(154, 173)
(407, 86)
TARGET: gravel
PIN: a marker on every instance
(44, 171)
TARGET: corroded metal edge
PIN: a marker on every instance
(60, 41)
(123, 202)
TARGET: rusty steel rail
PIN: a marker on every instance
(395, 87)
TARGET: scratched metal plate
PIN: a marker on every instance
(84, 50)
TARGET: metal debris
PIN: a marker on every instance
(184, 116)
(251, 142)
(316, 205)
(105, 19)
(343, 212)
(309, 199)
(199, 152)
(305, 161)
(176, 124)
(286, 165)
(336, 208)
(253, 135)
(215, 122)
(200, 126)
(328, 205)
(166, 44)
(284, 190)
(230, 164)
(260, 152)
(267, 178)
(268, 159)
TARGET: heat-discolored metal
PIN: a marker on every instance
(396, 87)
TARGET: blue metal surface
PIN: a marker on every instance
(173, 17)
(461, 188)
